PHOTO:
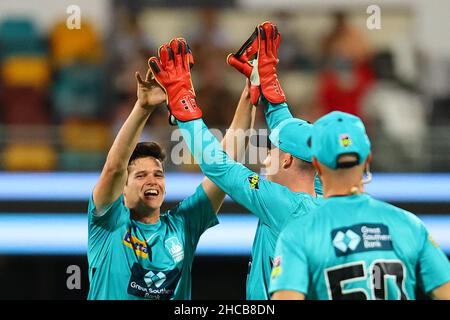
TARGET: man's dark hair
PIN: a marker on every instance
(147, 149)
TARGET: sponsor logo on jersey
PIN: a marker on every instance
(360, 238)
(152, 284)
(139, 247)
(175, 248)
(344, 140)
(254, 180)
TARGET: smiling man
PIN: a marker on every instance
(135, 251)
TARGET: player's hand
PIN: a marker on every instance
(172, 71)
(257, 60)
(149, 93)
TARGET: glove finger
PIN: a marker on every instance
(184, 57)
(155, 65)
(190, 56)
(273, 43)
(168, 53)
(175, 46)
(277, 45)
(156, 69)
(166, 56)
(243, 67)
(249, 47)
(262, 40)
(267, 26)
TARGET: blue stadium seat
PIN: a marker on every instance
(18, 36)
(78, 91)
(81, 161)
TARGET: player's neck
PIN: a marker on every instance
(146, 216)
(300, 183)
(341, 188)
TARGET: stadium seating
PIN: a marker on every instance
(85, 135)
(81, 160)
(29, 157)
(18, 36)
(77, 91)
(72, 45)
(24, 105)
(26, 71)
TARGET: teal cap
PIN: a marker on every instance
(291, 136)
(339, 133)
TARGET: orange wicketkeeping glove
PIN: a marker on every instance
(172, 71)
(263, 44)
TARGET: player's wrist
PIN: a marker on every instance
(144, 107)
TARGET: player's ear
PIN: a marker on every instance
(288, 159)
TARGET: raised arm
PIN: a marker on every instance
(243, 120)
(263, 45)
(275, 113)
(114, 174)
(172, 71)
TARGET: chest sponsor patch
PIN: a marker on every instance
(140, 247)
(150, 284)
(361, 238)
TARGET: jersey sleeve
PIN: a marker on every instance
(198, 214)
(110, 218)
(434, 267)
(267, 200)
(290, 268)
(275, 114)
(101, 225)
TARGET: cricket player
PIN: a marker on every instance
(289, 188)
(135, 251)
(353, 246)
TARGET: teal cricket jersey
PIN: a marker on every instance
(130, 260)
(356, 247)
(272, 203)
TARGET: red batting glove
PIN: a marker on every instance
(172, 71)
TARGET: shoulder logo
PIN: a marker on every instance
(254, 181)
(345, 140)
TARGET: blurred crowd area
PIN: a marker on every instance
(65, 93)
